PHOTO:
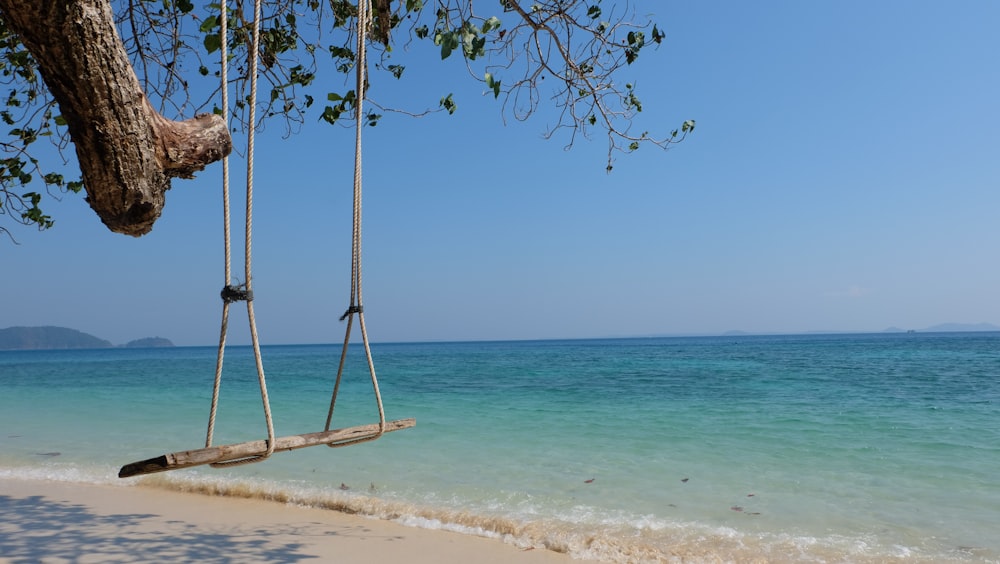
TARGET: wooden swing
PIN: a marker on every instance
(256, 451)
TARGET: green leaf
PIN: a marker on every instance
(658, 35)
(213, 43)
(209, 23)
(330, 115)
(476, 48)
(492, 23)
(185, 6)
(492, 83)
(449, 104)
(341, 52)
(448, 40)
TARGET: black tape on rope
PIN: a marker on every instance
(239, 293)
(352, 309)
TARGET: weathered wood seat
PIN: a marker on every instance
(226, 453)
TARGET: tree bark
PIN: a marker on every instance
(127, 151)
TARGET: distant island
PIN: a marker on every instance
(148, 343)
(52, 338)
(949, 328)
(940, 328)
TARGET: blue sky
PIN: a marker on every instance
(843, 175)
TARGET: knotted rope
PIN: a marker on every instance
(242, 292)
(356, 307)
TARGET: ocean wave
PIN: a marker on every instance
(580, 532)
(61, 472)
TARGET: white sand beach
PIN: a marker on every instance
(55, 522)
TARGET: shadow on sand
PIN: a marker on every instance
(34, 529)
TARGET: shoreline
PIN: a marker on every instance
(64, 521)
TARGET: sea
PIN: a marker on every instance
(802, 448)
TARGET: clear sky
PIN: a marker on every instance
(844, 175)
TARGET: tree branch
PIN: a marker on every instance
(127, 151)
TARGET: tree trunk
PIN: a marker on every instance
(127, 151)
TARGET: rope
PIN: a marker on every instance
(243, 291)
(224, 79)
(356, 307)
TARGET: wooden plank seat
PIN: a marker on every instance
(237, 451)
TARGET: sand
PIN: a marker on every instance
(55, 522)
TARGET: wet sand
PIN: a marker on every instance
(54, 522)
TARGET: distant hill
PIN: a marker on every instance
(14, 338)
(957, 327)
(148, 343)
(940, 328)
(950, 328)
(51, 338)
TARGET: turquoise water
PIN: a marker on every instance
(837, 448)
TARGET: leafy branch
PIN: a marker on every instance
(565, 53)
(576, 44)
(30, 115)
